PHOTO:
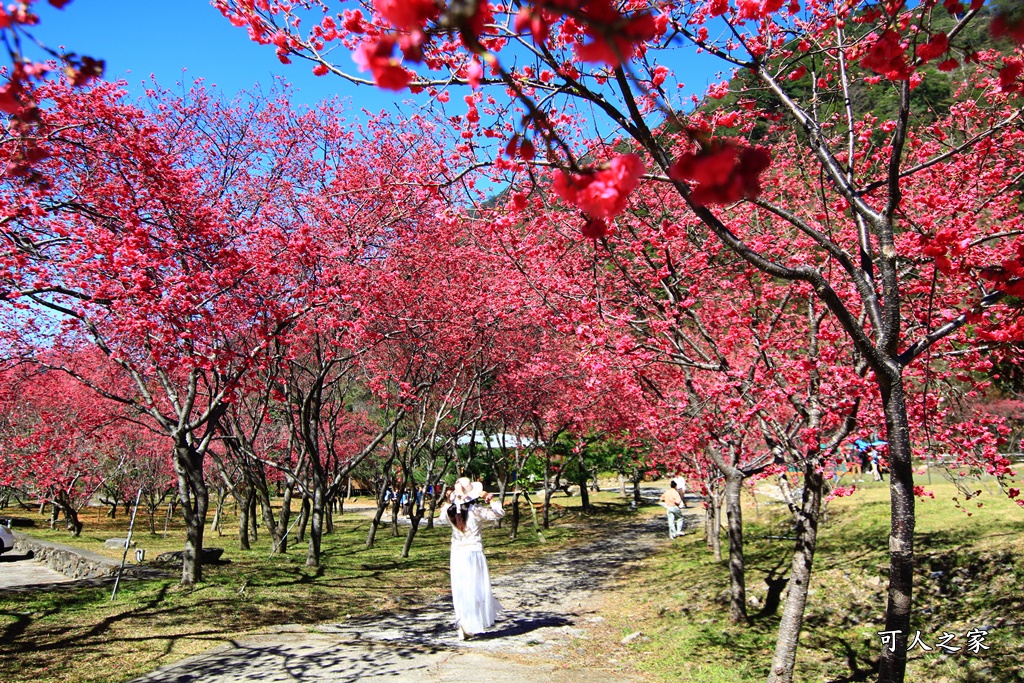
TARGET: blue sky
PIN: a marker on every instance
(161, 37)
(138, 38)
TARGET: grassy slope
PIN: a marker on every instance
(678, 598)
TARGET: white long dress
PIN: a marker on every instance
(475, 606)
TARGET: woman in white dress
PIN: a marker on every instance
(467, 510)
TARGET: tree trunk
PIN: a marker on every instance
(216, 525)
(253, 519)
(243, 522)
(716, 526)
(71, 521)
(584, 493)
(515, 517)
(277, 528)
(375, 522)
(433, 508)
(709, 517)
(622, 484)
(546, 514)
(316, 526)
(195, 502)
(792, 620)
(734, 513)
(300, 534)
(893, 665)
(414, 525)
(396, 504)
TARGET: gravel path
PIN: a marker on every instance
(546, 607)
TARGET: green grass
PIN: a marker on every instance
(678, 598)
(80, 636)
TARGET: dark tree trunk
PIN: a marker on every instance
(709, 516)
(395, 506)
(893, 664)
(414, 525)
(195, 502)
(243, 522)
(375, 522)
(515, 517)
(300, 533)
(584, 493)
(316, 526)
(433, 508)
(546, 513)
(254, 534)
(71, 521)
(734, 513)
(792, 620)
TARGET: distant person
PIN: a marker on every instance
(681, 488)
(857, 459)
(467, 510)
(673, 502)
(875, 458)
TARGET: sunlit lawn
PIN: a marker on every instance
(79, 635)
(968, 576)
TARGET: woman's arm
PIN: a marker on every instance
(492, 513)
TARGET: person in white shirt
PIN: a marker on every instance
(468, 511)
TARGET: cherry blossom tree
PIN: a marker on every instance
(160, 246)
(545, 57)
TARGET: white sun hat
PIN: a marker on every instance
(465, 491)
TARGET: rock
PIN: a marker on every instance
(207, 556)
(875, 582)
(116, 543)
(631, 637)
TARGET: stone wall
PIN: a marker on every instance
(73, 562)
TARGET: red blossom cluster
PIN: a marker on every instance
(1009, 75)
(920, 492)
(15, 96)
(887, 56)
(376, 56)
(602, 193)
(722, 173)
(1004, 26)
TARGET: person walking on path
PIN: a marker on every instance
(673, 502)
(681, 489)
(475, 606)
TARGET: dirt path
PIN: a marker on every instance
(547, 605)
